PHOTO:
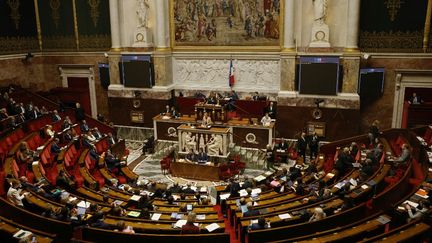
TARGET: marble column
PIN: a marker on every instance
(162, 33)
(353, 25)
(115, 24)
(289, 43)
(114, 59)
(351, 66)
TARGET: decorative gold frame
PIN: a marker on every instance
(257, 48)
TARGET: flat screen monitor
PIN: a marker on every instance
(319, 75)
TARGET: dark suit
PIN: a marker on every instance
(202, 157)
(251, 213)
(313, 146)
(55, 149)
(84, 128)
(271, 110)
(301, 147)
(56, 118)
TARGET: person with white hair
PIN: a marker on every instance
(318, 214)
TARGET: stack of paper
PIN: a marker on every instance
(412, 204)
(256, 191)
(243, 193)
(353, 182)
(284, 216)
(134, 214)
(203, 189)
(212, 227)
(156, 216)
(83, 204)
(224, 196)
(180, 223)
(260, 178)
(135, 198)
(267, 173)
(422, 193)
(200, 217)
(364, 187)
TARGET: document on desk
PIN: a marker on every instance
(200, 217)
(135, 198)
(284, 216)
(180, 223)
(260, 178)
(156, 216)
(243, 193)
(364, 187)
(256, 191)
(224, 196)
(383, 219)
(134, 214)
(412, 204)
(212, 227)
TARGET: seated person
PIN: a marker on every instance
(63, 181)
(97, 221)
(111, 139)
(24, 154)
(55, 116)
(111, 161)
(318, 215)
(55, 148)
(3, 114)
(167, 111)
(266, 120)
(191, 156)
(174, 112)
(96, 133)
(14, 194)
(405, 155)
(89, 139)
(260, 225)
(84, 127)
(68, 137)
(67, 123)
(250, 210)
(206, 121)
(344, 162)
(49, 131)
(44, 110)
(190, 227)
(415, 100)
(12, 124)
(93, 153)
(212, 99)
(202, 156)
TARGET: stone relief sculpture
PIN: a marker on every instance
(214, 145)
(320, 30)
(142, 35)
(212, 74)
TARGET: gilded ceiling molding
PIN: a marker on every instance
(94, 10)
(55, 13)
(15, 15)
(393, 7)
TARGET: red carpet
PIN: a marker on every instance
(229, 229)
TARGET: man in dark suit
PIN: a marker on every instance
(260, 225)
(271, 110)
(313, 146)
(112, 140)
(111, 161)
(55, 117)
(251, 211)
(96, 133)
(202, 156)
(415, 100)
(302, 145)
(32, 114)
(283, 146)
(84, 127)
(191, 156)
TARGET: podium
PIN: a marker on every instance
(214, 141)
(216, 112)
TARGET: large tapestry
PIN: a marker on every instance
(226, 22)
(392, 25)
(17, 27)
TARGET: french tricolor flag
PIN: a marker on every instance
(231, 74)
